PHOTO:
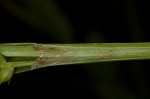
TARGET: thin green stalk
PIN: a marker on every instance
(29, 56)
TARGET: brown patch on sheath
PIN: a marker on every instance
(110, 54)
(41, 61)
(43, 48)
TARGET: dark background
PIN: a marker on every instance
(76, 21)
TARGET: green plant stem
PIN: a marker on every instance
(42, 55)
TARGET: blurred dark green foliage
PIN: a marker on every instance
(76, 21)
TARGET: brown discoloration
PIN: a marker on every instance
(110, 54)
(47, 49)
(60, 57)
(42, 61)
